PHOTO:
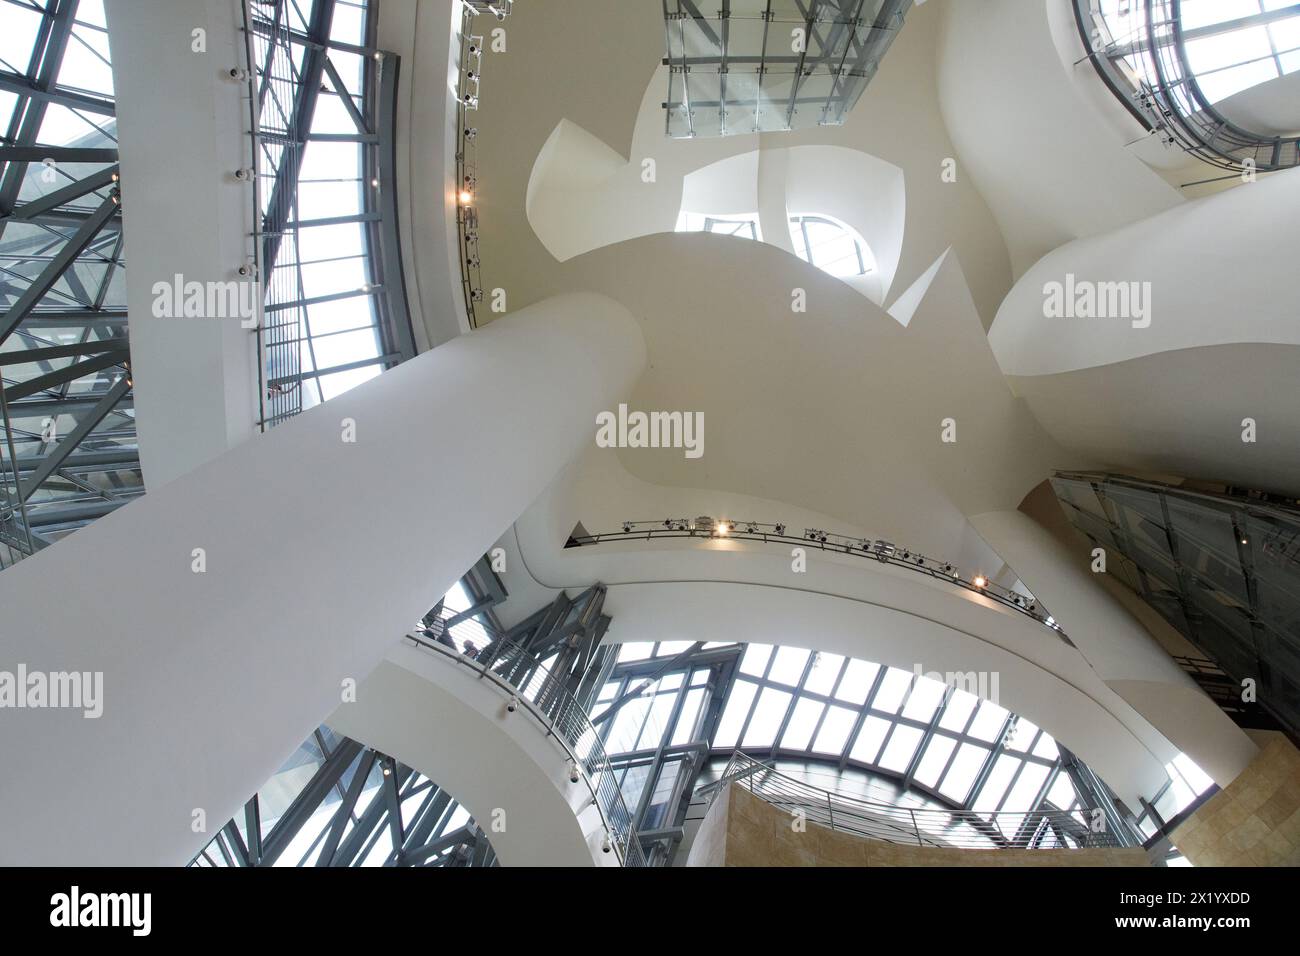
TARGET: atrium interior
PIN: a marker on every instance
(358, 508)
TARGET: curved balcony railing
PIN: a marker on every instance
(544, 695)
(885, 552)
(1150, 73)
(963, 829)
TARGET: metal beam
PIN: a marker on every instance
(32, 408)
(59, 154)
(70, 373)
(84, 427)
(63, 195)
(55, 268)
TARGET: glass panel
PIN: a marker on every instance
(834, 733)
(798, 734)
(768, 714)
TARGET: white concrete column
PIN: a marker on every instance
(318, 554)
(182, 125)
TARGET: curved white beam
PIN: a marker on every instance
(320, 543)
(435, 714)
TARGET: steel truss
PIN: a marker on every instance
(68, 451)
(734, 72)
(359, 808)
(290, 72)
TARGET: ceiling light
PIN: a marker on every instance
(723, 528)
(466, 197)
(980, 581)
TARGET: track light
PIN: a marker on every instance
(722, 528)
(512, 705)
(627, 526)
(980, 581)
(466, 197)
(573, 772)
(605, 845)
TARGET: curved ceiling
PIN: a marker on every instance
(1051, 167)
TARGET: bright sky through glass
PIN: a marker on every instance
(1228, 62)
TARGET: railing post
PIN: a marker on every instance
(912, 814)
(830, 810)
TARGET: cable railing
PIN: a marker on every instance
(531, 685)
(886, 552)
(1149, 71)
(917, 826)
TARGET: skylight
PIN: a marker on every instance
(742, 226)
(831, 246)
(1231, 45)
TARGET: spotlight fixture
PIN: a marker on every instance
(388, 771)
(980, 581)
(476, 295)
(375, 182)
(605, 845)
(627, 526)
(573, 771)
(780, 529)
(466, 197)
(722, 528)
(471, 133)
(947, 569)
(751, 528)
(512, 705)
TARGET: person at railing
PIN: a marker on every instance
(470, 651)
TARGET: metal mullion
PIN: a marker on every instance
(803, 56)
(794, 697)
(341, 91)
(928, 736)
(864, 711)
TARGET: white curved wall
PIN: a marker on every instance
(426, 35)
(1050, 165)
(1221, 270)
(895, 613)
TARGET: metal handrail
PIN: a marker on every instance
(920, 826)
(514, 669)
(886, 552)
(1167, 97)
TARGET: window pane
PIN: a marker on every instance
(857, 681)
(768, 714)
(835, 730)
(803, 722)
(733, 717)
